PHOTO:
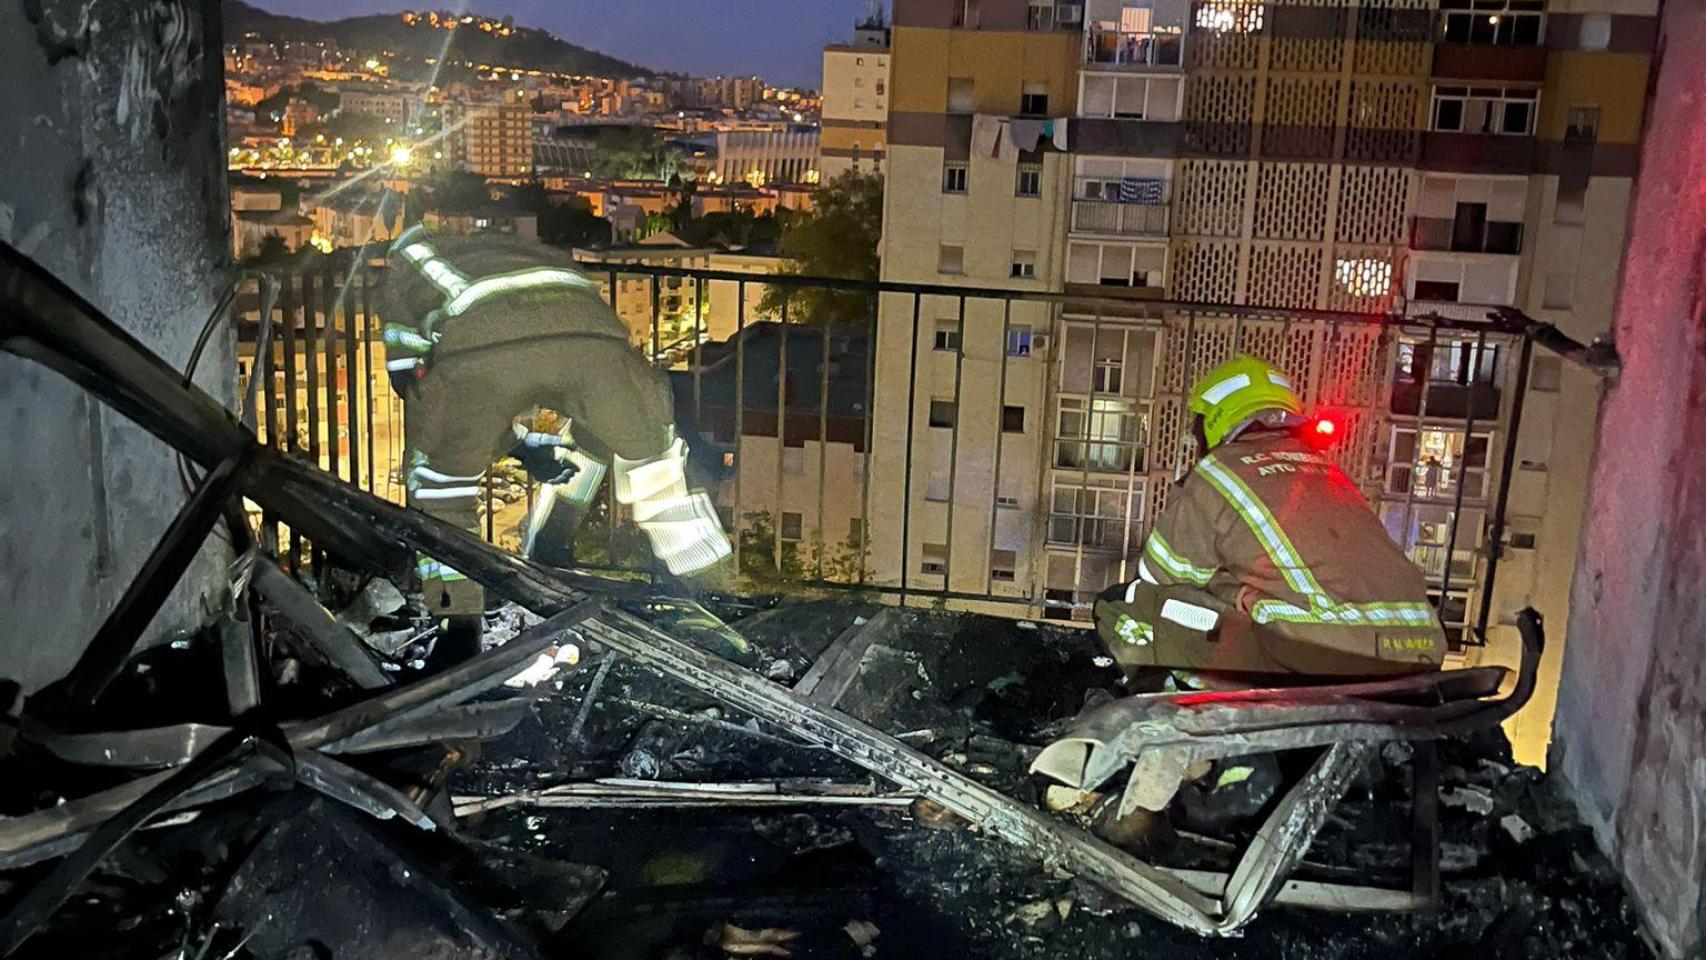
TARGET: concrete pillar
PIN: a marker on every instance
(1631, 722)
(112, 175)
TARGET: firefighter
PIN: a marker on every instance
(482, 330)
(1267, 559)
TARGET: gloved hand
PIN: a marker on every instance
(544, 456)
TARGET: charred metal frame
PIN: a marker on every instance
(44, 320)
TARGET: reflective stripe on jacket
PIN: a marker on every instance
(1276, 528)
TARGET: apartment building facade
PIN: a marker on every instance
(493, 138)
(1308, 182)
(856, 102)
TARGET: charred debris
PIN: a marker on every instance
(624, 773)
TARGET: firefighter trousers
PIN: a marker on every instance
(457, 422)
(1181, 627)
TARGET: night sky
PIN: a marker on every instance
(780, 40)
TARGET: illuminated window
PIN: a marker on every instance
(1364, 278)
(1229, 16)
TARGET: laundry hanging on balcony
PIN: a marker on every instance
(1140, 190)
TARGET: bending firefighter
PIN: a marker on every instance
(481, 330)
(1267, 559)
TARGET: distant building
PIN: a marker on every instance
(855, 101)
(491, 219)
(250, 228)
(246, 197)
(761, 405)
(374, 102)
(491, 138)
(297, 114)
(681, 317)
(738, 199)
(760, 157)
(350, 219)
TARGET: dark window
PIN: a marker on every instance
(1581, 125)
(1469, 226)
(1504, 237)
(1030, 180)
(1012, 419)
(943, 413)
(1448, 115)
(1034, 104)
(1436, 290)
(1517, 117)
(791, 527)
(954, 177)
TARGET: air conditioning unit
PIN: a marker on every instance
(1039, 344)
(1068, 13)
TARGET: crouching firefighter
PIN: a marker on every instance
(1267, 559)
(481, 330)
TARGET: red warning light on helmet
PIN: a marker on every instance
(1321, 432)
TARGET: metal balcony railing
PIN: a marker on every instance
(1446, 234)
(1124, 48)
(781, 411)
(1120, 219)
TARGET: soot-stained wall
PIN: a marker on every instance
(1631, 723)
(111, 176)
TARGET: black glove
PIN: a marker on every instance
(544, 457)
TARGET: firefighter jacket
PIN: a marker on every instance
(1272, 527)
(438, 285)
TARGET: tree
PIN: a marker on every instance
(838, 239)
(273, 249)
(456, 190)
(566, 221)
(631, 153)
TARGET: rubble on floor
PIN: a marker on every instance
(678, 828)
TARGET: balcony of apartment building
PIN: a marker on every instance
(1483, 128)
(1120, 207)
(1120, 35)
(1491, 40)
(1455, 378)
(1036, 16)
(1127, 114)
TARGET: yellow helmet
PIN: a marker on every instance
(1232, 393)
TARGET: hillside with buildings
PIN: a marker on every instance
(417, 41)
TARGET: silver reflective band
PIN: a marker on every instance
(408, 364)
(1143, 573)
(1189, 615)
(427, 473)
(1226, 388)
(1279, 381)
(464, 300)
(1131, 588)
(446, 493)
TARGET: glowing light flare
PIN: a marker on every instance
(402, 155)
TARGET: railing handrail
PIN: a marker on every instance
(1114, 305)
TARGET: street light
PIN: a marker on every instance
(401, 155)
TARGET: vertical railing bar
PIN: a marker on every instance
(1507, 463)
(367, 276)
(610, 506)
(781, 438)
(653, 567)
(310, 354)
(1425, 372)
(287, 300)
(1000, 437)
(1462, 471)
(698, 351)
(740, 419)
(866, 426)
(822, 543)
(352, 388)
(269, 397)
(1084, 471)
(911, 422)
(954, 445)
(328, 303)
(1130, 469)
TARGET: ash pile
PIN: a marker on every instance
(583, 804)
